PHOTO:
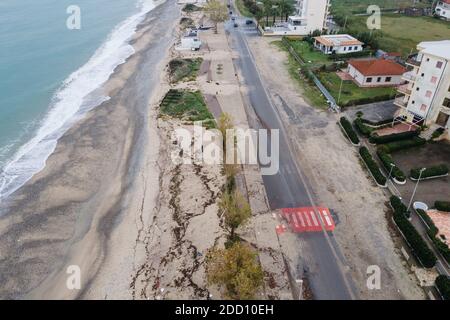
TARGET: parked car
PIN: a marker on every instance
(233, 18)
(247, 22)
(235, 25)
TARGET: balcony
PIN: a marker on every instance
(404, 89)
(401, 102)
(413, 62)
(410, 76)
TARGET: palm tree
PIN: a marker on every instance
(267, 7)
(286, 7)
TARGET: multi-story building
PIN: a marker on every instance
(425, 98)
(443, 9)
(310, 15)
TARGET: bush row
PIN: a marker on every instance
(392, 137)
(368, 100)
(402, 144)
(377, 123)
(432, 233)
(362, 128)
(349, 130)
(372, 165)
(418, 245)
(432, 229)
(387, 160)
(358, 54)
(430, 172)
(443, 284)
(442, 205)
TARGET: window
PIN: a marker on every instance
(349, 48)
(356, 48)
(422, 75)
(433, 79)
(446, 103)
(428, 59)
(345, 48)
(439, 64)
(369, 79)
(428, 94)
(379, 79)
(413, 102)
(388, 79)
(417, 89)
(423, 107)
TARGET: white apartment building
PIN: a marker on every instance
(425, 98)
(310, 15)
(443, 9)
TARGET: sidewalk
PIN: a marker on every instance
(222, 82)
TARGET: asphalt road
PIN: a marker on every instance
(321, 262)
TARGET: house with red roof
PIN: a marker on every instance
(375, 72)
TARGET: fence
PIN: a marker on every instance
(332, 102)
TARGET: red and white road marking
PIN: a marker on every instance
(309, 219)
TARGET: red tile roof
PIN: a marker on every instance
(378, 67)
(446, 1)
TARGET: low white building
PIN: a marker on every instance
(443, 9)
(337, 44)
(376, 72)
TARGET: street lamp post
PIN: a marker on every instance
(392, 168)
(415, 189)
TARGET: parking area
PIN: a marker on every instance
(375, 112)
(431, 154)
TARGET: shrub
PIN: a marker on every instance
(443, 284)
(362, 128)
(372, 165)
(432, 229)
(442, 248)
(418, 245)
(386, 160)
(367, 100)
(430, 172)
(437, 133)
(442, 206)
(402, 144)
(349, 130)
(392, 137)
(377, 123)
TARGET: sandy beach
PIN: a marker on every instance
(89, 204)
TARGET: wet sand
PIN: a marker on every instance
(87, 207)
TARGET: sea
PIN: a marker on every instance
(54, 57)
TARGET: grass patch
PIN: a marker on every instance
(188, 106)
(243, 9)
(351, 94)
(309, 91)
(360, 6)
(184, 69)
(307, 52)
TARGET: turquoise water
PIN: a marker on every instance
(49, 74)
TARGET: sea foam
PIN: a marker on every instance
(76, 96)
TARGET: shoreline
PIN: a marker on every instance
(69, 213)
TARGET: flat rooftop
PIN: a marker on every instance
(338, 40)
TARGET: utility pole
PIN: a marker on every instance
(415, 189)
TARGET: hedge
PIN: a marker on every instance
(368, 100)
(432, 229)
(372, 165)
(418, 245)
(435, 171)
(349, 130)
(443, 284)
(442, 206)
(403, 144)
(377, 123)
(362, 128)
(393, 137)
(442, 247)
(386, 160)
(358, 54)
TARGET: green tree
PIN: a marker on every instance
(236, 269)
(286, 8)
(216, 11)
(235, 209)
